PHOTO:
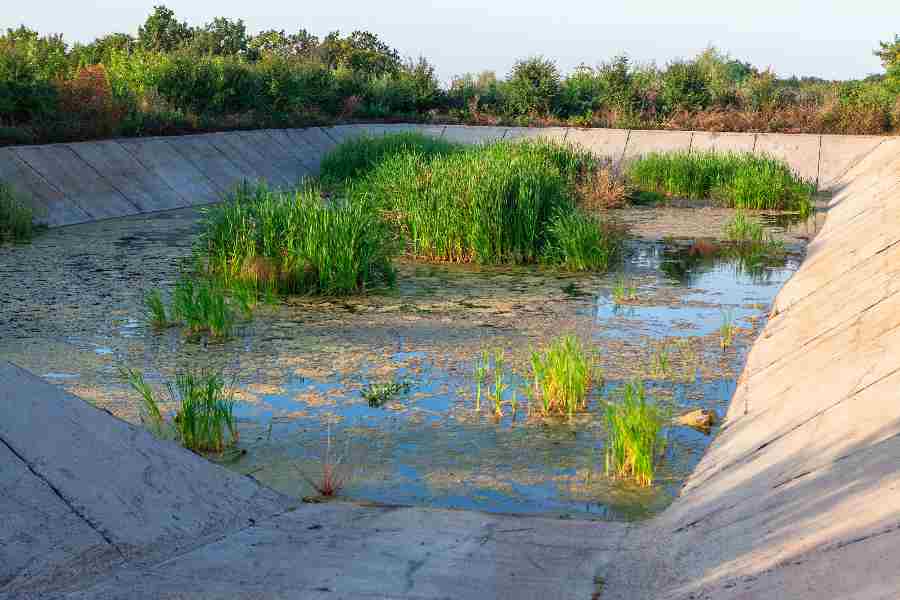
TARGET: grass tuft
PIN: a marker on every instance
(634, 436)
(204, 421)
(579, 242)
(737, 180)
(16, 219)
(562, 375)
(296, 242)
(379, 394)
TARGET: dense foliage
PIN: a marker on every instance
(173, 77)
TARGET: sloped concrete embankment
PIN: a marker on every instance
(799, 495)
(87, 181)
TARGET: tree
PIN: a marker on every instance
(220, 37)
(280, 44)
(533, 86)
(162, 32)
(362, 52)
(889, 52)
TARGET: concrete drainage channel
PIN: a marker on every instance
(799, 495)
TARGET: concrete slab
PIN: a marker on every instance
(343, 133)
(467, 134)
(429, 130)
(301, 152)
(211, 162)
(644, 142)
(316, 138)
(839, 153)
(141, 186)
(608, 143)
(346, 551)
(83, 186)
(158, 156)
(252, 164)
(723, 142)
(50, 205)
(800, 151)
(42, 540)
(283, 168)
(144, 496)
(557, 134)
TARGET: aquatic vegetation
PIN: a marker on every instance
(379, 394)
(580, 242)
(624, 290)
(204, 421)
(155, 310)
(634, 436)
(500, 384)
(491, 204)
(727, 330)
(296, 242)
(737, 180)
(482, 364)
(662, 364)
(562, 375)
(334, 471)
(356, 157)
(742, 228)
(204, 306)
(16, 219)
(602, 189)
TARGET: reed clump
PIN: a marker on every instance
(634, 436)
(739, 180)
(296, 242)
(562, 375)
(16, 219)
(498, 203)
(356, 157)
(204, 420)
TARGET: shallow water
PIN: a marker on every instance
(301, 365)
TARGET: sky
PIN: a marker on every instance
(832, 39)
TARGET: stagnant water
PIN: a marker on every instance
(75, 317)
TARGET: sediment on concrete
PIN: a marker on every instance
(77, 183)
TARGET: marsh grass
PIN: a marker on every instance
(204, 421)
(662, 363)
(379, 394)
(562, 375)
(16, 219)
(727, 330)
(737, 180)
(580, 242)
(355, 158)
(204, 306)
(497, 203)
(743, 228)
(500, 384)
(155, 310)
(634, 436)
(624, 290)
(296, 242)
(482, 364)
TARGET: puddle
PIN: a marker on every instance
(302, 365)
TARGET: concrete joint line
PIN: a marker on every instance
(103, 177)
(324, 130)
(62, 497)
(149, 170)
(188, 159)
(625, 147)
(819, 163)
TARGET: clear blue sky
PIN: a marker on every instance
(831, 39)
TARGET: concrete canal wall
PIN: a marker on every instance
(87, 181)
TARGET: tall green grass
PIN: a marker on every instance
(491, 204)
(739, 180)
(296, 242)
(562, 375)
(355, 158)
(204, 420)
(16, 219)
(634, 436)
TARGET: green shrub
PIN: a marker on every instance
(737, 180)
(16, 219)
(634, 436)
(562, 375)
(204, 421)
(533, 87)
(296, 242)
